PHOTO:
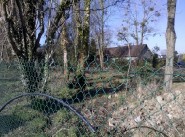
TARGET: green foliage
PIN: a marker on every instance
(143, 71)
(65, 92)
(8, 123)
(32, 122)
(95, 103)
(37, 124)
(183, 57)
(155, 61)
(61, 116)
(79, 82)
(72, 132)
(92, 52)
(121, 64)
(47, 106)
(26, 113)
(122, 99)
(161, 63)
(67, 123)
(115, 84)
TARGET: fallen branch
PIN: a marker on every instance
(155, 130)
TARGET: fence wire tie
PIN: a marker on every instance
(92, 129)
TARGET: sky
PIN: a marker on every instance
(115, 23)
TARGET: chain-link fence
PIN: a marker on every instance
(120, 100)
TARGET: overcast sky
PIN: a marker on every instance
(159, 40)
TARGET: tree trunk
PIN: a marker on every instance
(65, 62)
(100, 50)
(25, 28)
(83, 43)
(64, 42)
(78, 30)
(101, 57)
(136, 36)
(136, 26)
(170, 42)
(102, 45)
(1, 54)
(83, 47)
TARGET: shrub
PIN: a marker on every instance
(26, 113)
(161, 63)
(65, 92)
(155, 61)
(37, 124)
(121, 64)
(67, 123)
(145, 70)
(33, 122)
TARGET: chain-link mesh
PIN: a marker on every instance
(46, 94)
(122, 99)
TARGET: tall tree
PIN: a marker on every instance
(78, 26)
(26, 26)
(99, 29)
(170, 42)
(139, 19)
(64, 41)
(100, 32)
(81, 39)
(86, 33)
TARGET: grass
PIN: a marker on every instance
(9, 89)
(23, 120)
(41, 117)
(9, 123)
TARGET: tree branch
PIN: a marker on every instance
(23, 26)
(155, 130)
(41, 20)
(54, 25)
(10, 30)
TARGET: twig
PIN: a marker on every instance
(59, 131)
(147, 128)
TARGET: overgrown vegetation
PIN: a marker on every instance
(116, 96)
(105, 92)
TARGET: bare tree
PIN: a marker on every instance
(81, 10)
(78, 26)
(64, 42)
(170, 42)
(100, 32)
(27, 23)
(138, 20)
(99, 29)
